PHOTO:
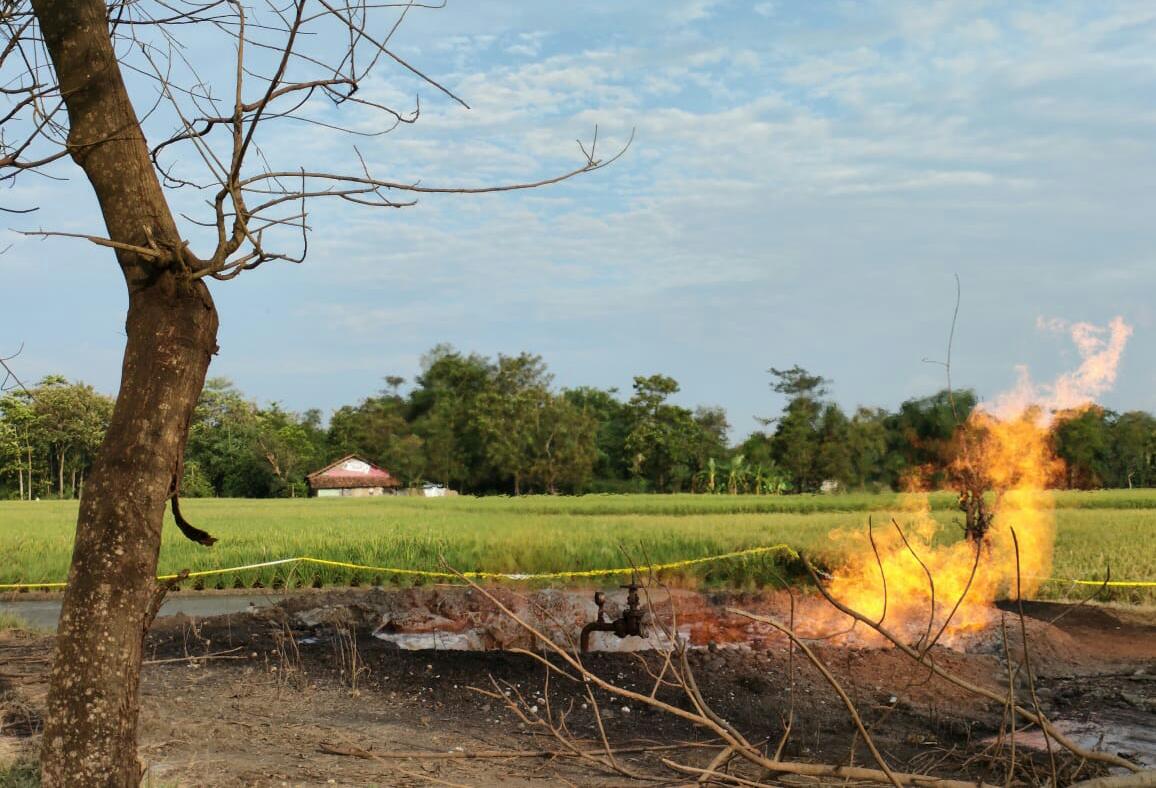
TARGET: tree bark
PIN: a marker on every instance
(90, 729)
(91, 723)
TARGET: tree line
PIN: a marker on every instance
(483, 425)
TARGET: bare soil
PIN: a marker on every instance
(289, 697)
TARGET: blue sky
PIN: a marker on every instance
(806, 180)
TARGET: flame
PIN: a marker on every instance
(904, 574)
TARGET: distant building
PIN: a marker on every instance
(351, 476)
(431, 490)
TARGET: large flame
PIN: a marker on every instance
(902, 572)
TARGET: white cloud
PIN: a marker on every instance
(684, 12)
(790, 164)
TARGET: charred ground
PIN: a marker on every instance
(264, 699)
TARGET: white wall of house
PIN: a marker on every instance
(350, 492)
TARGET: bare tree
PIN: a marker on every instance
(71, 71)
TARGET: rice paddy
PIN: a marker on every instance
(564, 534)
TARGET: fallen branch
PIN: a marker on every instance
(357, 752)
(710, 773)
(1145, 779)
(822, 770)
(229, 654)
(469, 755)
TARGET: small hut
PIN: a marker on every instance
(351, 476)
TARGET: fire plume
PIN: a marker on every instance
(909, 575)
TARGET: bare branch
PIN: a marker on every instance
(1027, 714)
(99, 241)
(830, 678)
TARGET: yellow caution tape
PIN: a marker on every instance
(517, 576)
(1109, 584)
(625, 570)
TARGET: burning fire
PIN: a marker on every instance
(902, 574)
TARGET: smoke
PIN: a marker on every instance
(1100, 349)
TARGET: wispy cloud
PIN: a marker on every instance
(805, 179)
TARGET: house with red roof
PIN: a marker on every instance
(351, 476)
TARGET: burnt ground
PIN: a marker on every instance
(264, 699)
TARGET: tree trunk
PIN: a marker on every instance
(90, 729)
(92, 708)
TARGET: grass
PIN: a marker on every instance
(12, 621)
(543, 534)
(21, 774)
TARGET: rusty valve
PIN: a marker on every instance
(629, 624)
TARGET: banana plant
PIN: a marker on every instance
(707, 478)
(769, 480)
(738, 475)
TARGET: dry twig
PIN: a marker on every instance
(1027, 714)
(705, 718)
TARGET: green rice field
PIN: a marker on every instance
(561, 534)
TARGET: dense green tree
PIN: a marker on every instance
(68, 423)
(1133, 450)
(498, 426)
(796, 441)
(925, 431)
(507, 415)
(405, 458)
(287, 444)
(833, 461)
(446, 462)
(663, 437)
(1083, 442)
(223, 442)
(612, 418)
(872, 465)
(378, 429)
(443, 407)
(757, 448)
(194, 483)
(564, 441)
(16, 442)
(713, 436)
